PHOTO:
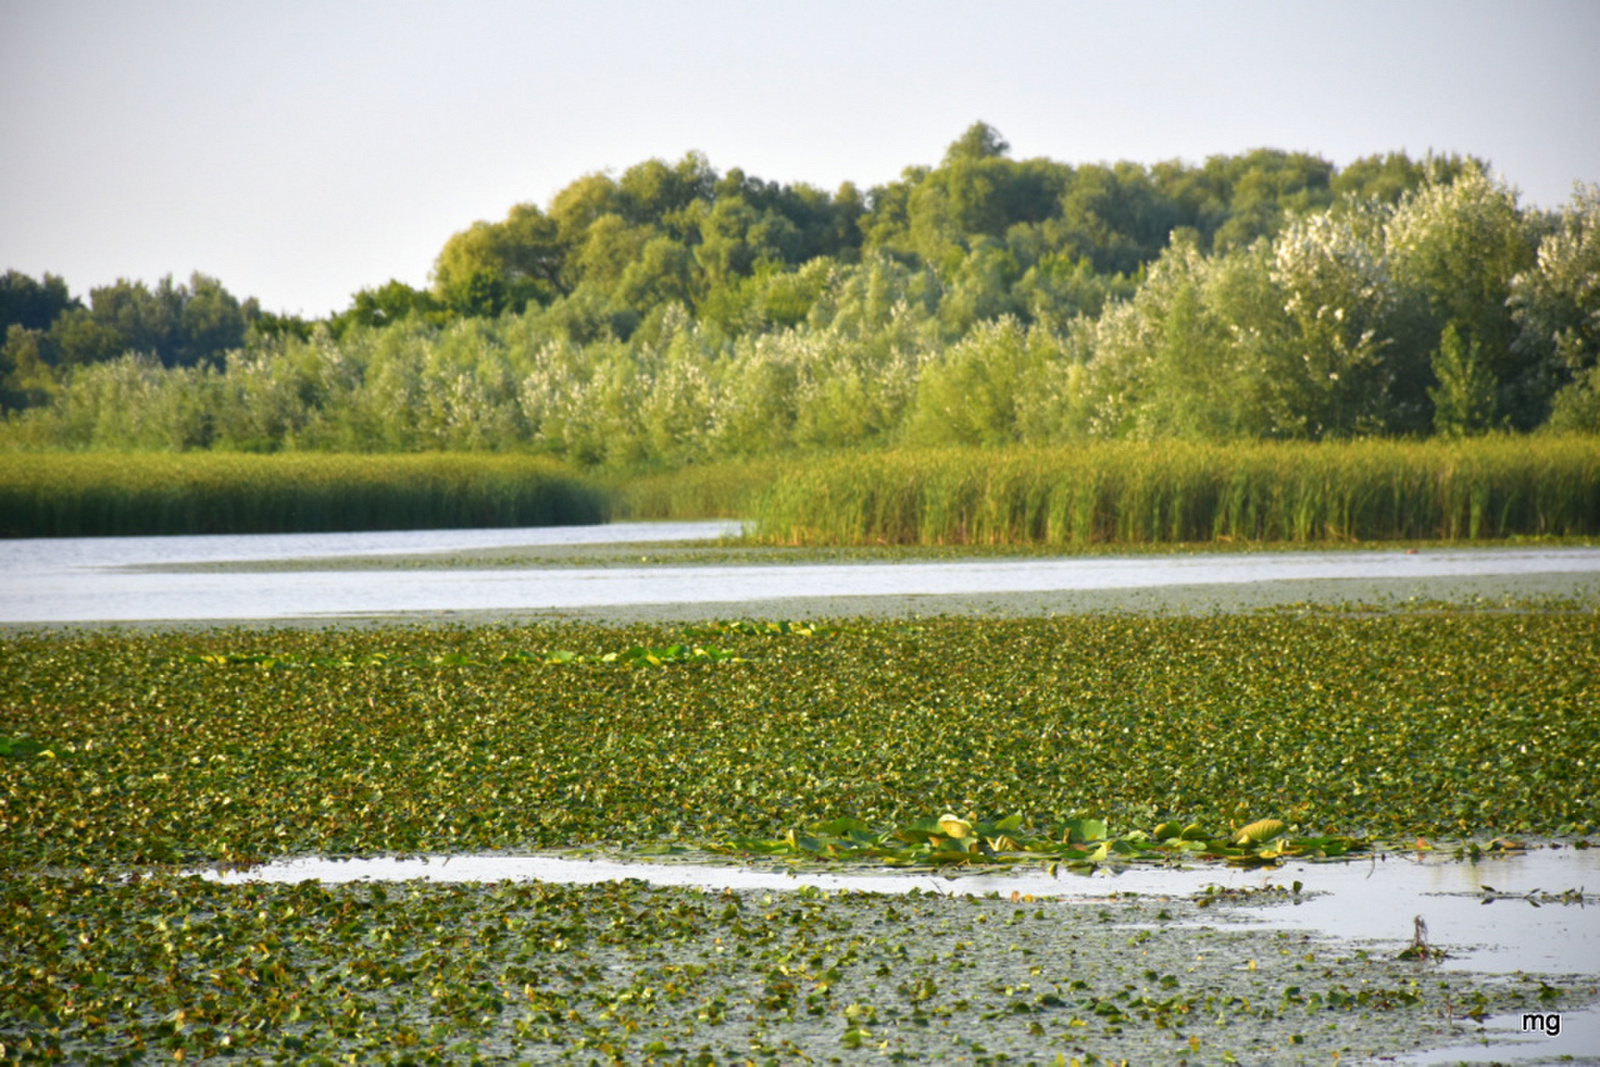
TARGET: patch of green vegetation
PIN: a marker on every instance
(1166, 492)
(232, 745)
(169, 967)
(98, 494)
(20, 748)
(632, 656)
(181, 747)
(1079, 844)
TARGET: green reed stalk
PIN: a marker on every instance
(715, 491)
(97, 494)
(1485, 488)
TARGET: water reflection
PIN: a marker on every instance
(1365, 901)
(96, 580)
(1508, 1039)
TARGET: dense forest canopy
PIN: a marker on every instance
(675, 314)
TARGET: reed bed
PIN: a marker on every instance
(107, 494)
(1480, 489)
(725, 490)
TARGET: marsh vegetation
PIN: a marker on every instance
(141, 752)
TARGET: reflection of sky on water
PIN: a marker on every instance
(95, 579)
(1369, 900)
(1367, 903)
(213, 548)
(1364, 904)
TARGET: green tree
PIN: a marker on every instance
(1464, 399)
(655, 194)
(211, 321)
(494, 266)
(1388, 178)
(1116, 217)
(663, 274)
(26, 379)
(1556, 302)
(979, 288)
(392, 302)
(1268, 187)
(180, 325)
(33, 305)
(1457, 244)
(1337, 299)
(975, 394)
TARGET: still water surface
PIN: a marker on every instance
(118, 579)
(1499, 915)
(1368, 900)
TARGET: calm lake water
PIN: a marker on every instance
(90, 580)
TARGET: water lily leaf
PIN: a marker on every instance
(19, 747)
(1260, 831)
(1083, 831)
(954, 826)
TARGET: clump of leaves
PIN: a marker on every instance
(632, 656)
(761, 629)
(184, 747)
(20, 747)
(1079, 843)
(1419, 949)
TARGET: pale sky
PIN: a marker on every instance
(301, 150)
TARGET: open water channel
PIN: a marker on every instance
(1524, 911)
(444, 573)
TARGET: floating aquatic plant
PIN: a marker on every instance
(192, 746)
(632, 656)
(1079, 844)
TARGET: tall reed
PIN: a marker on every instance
(724, 490)
(95, 494)
(1368, 490)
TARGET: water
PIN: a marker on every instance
(108, 580)
(1365, 901)
(102, 552)
(1368, 904)
(1505, 1040)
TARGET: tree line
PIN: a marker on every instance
(673, 314)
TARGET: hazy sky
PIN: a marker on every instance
(300, 151)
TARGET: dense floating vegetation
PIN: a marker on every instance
(166, 968)
(1454, 723)
(1176, 492)
(1083, 844)
(120, 748)
(54, 495)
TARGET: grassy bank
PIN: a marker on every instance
(105, 494)
(1483, 488)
